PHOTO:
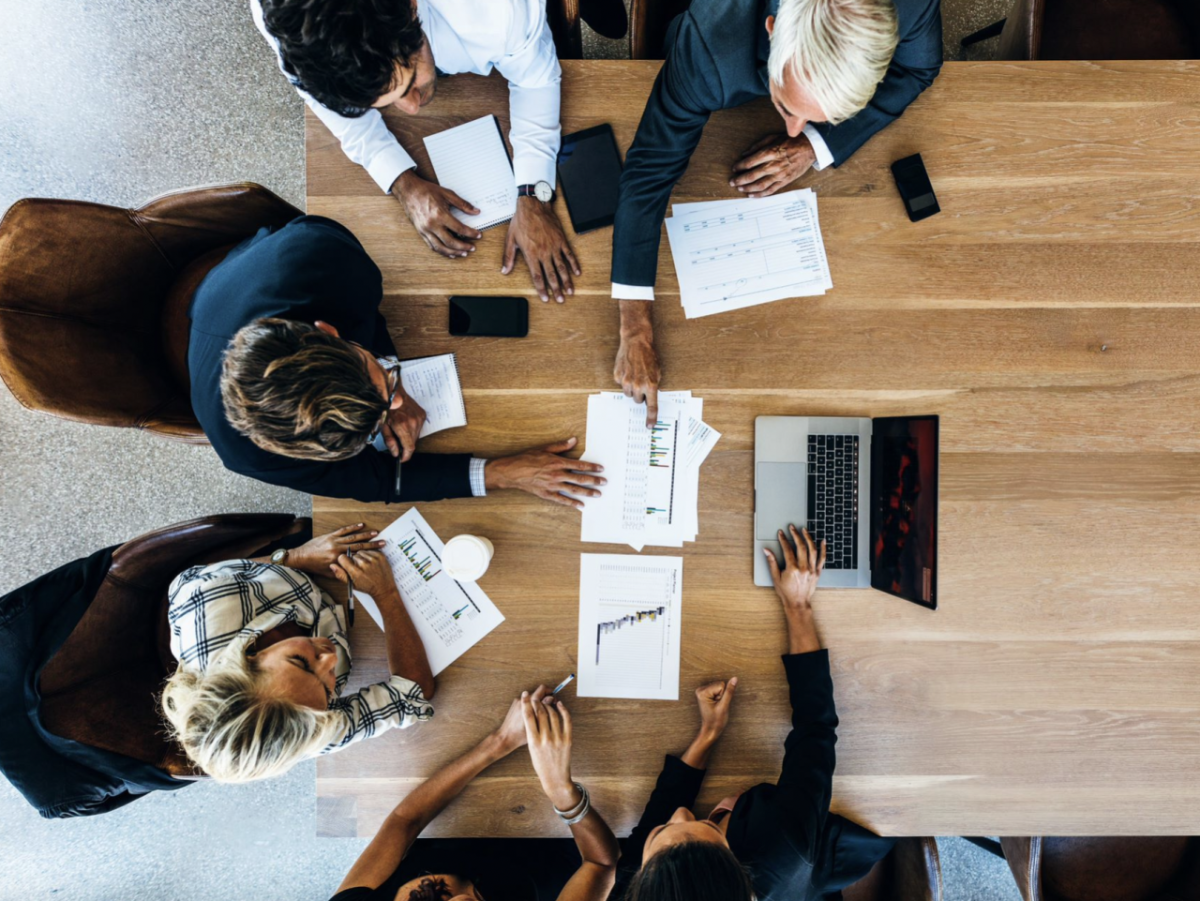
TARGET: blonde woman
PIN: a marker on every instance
(264, 659)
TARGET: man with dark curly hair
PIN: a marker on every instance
(350, 59)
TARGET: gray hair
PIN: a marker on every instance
(838, 49)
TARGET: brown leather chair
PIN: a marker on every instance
(1105, 869)
(1097, 29)
(911, 872)
(563, 16)
(648, 22)
(94, 299)
(100, 689)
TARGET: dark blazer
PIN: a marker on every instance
(312, 268)
(784, 833)
(716, 59)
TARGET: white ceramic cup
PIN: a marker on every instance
(466, 557)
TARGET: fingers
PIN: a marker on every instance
(821, 560)
(434, 240)
(756, 165)
(651, 405)
(346, 530)
(339, 574)
(559, 447)
(561, 499)
(510, 254)
(810, 549)
(566, 719)
(789, 552)
(539, 281)
(563, 269)
(772, 188)
(389, 439)
(582, 478)
(449, 237)
(529, 714)
(727, 695)
(569, 256)
(550, 277)
(455, 201)
(758, 180)
(408, 439)
(772, 565)
(711, 690)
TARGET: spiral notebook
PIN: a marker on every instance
(472, 161)
(433, 383)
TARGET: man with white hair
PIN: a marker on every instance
(836, 70)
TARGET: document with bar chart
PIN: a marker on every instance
(629, 626)
(450, 616)
(653, 472)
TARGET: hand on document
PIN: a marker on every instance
(653, 473)
(544, 472)
(771, 164)
(731, 254)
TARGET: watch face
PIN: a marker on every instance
(543, 192)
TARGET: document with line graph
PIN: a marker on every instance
(451, 617)
(629, 626)
(731, 254)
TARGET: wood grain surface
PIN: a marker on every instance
(1048, 315)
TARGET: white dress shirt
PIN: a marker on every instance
(824, 157)
(476, 36)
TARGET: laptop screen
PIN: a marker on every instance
(904, 501)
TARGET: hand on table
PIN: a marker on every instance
(370, 572)
(511, 732)
(548, 732)
(772, 164)
(544, 473)
(636, 369)
(403, 426)
(428, 207)
(318, 555)
(537, 233)
(714, 700)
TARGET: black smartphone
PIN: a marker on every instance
(589, 171)
(915, 189)
(495, 317)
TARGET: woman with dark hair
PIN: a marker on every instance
(391, 869)
(771, 842)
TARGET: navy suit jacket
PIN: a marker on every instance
(716, 59)
(312, 268)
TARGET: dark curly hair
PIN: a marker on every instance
(431, 889)
(344, 52)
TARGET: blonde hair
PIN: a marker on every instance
(296, 391)
(232, 728)
(839, 49)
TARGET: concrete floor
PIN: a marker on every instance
(116, 102)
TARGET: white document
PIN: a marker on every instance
(731, 254)
(433, 383)
(472, 161)
(629, 626)
(652, 495)
(451, 617)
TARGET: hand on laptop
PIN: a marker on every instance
(795, 585)
(428, 207)
(771, 164)
(637, 370)
(537, 233)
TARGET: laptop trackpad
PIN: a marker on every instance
(780, 498)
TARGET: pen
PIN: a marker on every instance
(563, 684)
(397, 478)
(350, 600)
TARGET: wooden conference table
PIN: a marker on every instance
(1048, 315)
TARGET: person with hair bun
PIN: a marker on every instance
(263, 659)
(771, 842)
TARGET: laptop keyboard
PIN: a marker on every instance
(833, 497)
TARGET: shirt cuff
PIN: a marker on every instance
(632, 292)
(820, 148)
(532, 169)
(478, 483)
(388, 165)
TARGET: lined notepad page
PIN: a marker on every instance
(433, 383)
(472, 161)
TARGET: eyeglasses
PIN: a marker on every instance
(393, 374)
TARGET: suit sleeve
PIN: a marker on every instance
(915, 65)
(679, 106)
(805, 784)
(371, 477)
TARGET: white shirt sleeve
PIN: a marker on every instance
(530, 64)
(365, 140)
(820, 148)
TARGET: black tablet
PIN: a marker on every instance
(589, 169)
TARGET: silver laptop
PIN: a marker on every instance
(868, 487)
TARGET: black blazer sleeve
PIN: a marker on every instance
(805, 783)
(677, 786)
(917, 61)
(371, 476)
(679, 106)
